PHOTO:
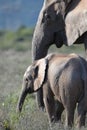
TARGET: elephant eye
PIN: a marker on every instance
(46, 17)
(26, 79)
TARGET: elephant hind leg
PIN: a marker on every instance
(59, 110)
(81, 114)
(69, 118)
(70, 109)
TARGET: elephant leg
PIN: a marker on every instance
(50, 108)
(59, 110)
(39, 99)
(49, 102)
(69, 118)
(70, 109)
(81, 114)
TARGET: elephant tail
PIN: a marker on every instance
(84, 77)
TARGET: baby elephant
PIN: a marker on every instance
(63, 77)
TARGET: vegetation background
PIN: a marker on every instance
(15, 57)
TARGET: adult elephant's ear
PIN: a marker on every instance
(76, 20)
(40, 71)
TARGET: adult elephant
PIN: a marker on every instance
(60, 22)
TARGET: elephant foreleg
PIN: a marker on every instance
(49, 102)
(39, 99)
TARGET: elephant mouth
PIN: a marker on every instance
(60, 38)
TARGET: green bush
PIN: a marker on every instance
(19, 40)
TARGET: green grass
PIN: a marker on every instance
(13, 119)
(19, 40)
(29, 119)
(78, 48)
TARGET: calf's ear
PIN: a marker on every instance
(40, 71)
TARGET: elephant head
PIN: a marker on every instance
(49, 28)
(32, 81)
(59, 22)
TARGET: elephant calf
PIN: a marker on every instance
(63, 77)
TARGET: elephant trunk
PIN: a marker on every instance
(38, 51)
(40, 46)
(41, 41)
(21, 100)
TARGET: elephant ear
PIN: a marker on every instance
(40, 71)
(76, 20)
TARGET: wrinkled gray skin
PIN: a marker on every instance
(62, 77)
(59, 22)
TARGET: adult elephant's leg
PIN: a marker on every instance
(81, 114)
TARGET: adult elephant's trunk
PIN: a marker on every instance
(21, 100)
(39, 51)
(40, 47)
(42, 39)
